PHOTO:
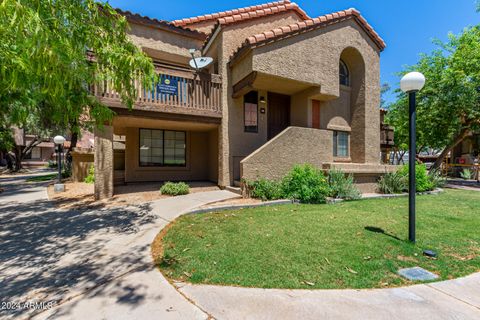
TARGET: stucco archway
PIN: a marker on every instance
(356, 66)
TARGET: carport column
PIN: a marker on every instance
(103, 162)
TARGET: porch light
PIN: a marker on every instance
(262, 100)
(411, 83)
(59, 141)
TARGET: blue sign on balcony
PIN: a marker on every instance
(167, 85)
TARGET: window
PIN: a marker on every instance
(344, 74)
(36, 153)
(340, 144)
(250, 102)
(162, 148)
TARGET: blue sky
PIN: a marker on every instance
(407, 26)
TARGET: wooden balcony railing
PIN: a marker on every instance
(188, 94)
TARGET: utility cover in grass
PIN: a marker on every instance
(417, 274)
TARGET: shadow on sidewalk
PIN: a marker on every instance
(45, 252)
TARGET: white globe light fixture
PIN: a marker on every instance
(59, 141)
(411, 83)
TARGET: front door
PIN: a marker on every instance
(278, 113)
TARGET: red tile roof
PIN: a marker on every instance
(310, 24)
(237, 18)
(161, 24)
(241, 12)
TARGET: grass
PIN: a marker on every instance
(324, 246)
(45, 178)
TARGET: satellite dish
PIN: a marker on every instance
(200, 63)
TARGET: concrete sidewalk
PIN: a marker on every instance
(90, 263)
(455, 299)
(139, 292)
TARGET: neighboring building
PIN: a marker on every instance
(40, 154)
(468, 151)
(283, 89)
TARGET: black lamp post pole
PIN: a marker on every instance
(411, 164)
(59, 163)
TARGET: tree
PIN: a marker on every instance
(448, 107)
(54, 51)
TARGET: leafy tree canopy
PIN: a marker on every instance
(448, 107)
(45, 74)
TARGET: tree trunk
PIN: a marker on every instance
(461, 136)
(18, 159)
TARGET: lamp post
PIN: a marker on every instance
(411, 83)
(59, 141)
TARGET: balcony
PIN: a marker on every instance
(189, 94)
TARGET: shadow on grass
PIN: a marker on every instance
(381, 231)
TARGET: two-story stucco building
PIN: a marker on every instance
(283, 89)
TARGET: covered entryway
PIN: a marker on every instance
(278, 113)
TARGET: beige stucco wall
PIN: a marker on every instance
(197, 168)
(234, 142)
(313, 58)
(295, 145)
(81, 162)
(163, 45)
(336, 114)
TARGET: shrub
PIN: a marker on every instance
(265, 189)
(90, 178)
(397, 182)
(437, 179)
(466, 174)
(175, 189)
(306, 184)
(392, 183)
(342, 186)
(423, 180)
(51, 164)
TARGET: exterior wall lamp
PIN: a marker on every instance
(59, 141)
(411, 83)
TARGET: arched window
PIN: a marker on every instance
(344, 74)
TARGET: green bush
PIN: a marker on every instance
(466, 174)
(175, 189)
(51, 164)
(423, 180)
(342, 186)
(265, 189)
(306, 184)
(392, 183)
(397, 182)
(90, 178)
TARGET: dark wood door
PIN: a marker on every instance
(278, 113)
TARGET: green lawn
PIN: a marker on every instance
(324, 246)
